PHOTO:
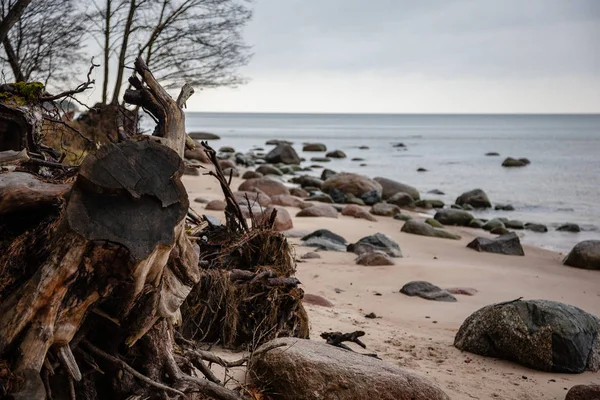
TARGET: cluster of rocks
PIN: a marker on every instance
(373, 250)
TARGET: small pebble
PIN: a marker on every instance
(371, 315)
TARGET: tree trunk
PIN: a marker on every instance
(123, 53)
(13, 61)
(106, 51)
(96, 284)
(12, 17)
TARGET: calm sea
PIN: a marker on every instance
(562, 183)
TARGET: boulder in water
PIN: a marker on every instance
(283, 153)
(336, 154)
(585, 255)
(508, 244)
(203, 136)
(539, 334)
(513, 162)
(540, 228)
(314, 147)
(476, 198)
(492, 224)
(569, 228)
(391, 187)
(453, 217)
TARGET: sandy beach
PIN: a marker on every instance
(418, 334)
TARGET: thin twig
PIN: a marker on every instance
(80, 88)
(129, 369)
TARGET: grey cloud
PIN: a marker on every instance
(438, 38)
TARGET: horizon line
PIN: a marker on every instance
(400, 113)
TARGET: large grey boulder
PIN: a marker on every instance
(476, 198)
(508, 244)
(451, 216)
(391, 187)
(539, 334)
(283, 153)
(424, 229)
(306, 370)
(585, 255)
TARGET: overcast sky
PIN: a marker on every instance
(418, 56)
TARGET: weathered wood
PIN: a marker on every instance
(20, 191)
(12, 157)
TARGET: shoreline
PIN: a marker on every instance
(417, 334)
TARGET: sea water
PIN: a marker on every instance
(562, 183)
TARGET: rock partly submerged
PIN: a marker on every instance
(391, 187)
(476, 198)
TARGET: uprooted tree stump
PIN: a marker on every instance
(93, 275)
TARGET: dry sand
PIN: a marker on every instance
(417, 334)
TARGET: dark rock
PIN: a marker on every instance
(421, 170)
(508, 244)
(325, 233)
(245, 160)
(201, 200)
(307, 181)
(318, 210)
(525, 161)
(371, 197)
(456, 206)
(398, 145)
(226, 149)
(429, 204)
(384, 209)
(374, 258)
(514, 224)
(327, 173)
(336, 154)
(539, 334)
(268, 186)
(355, 184)
(423, 229)
(320, 197)
(283, 153)
(251, 175)
(536, 227)
(468, 207)
(337, 195)
(402, 217)
(314, 147)
(324, 244)
(203, 136)
(512, 162)
(569, 228)
(584, 392)
(320, 159)
(269, 170)
(364, 147)
(476, 198)
(492, 153)
(358, 159)
(504, 207)
(308, 370)
(453, 217)
(379, 241)
(371, 315)
(585, 255)
(298, 192)
(427, 291)
(493, 223)
(402, 199)
(391, 187)
(476, 223)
